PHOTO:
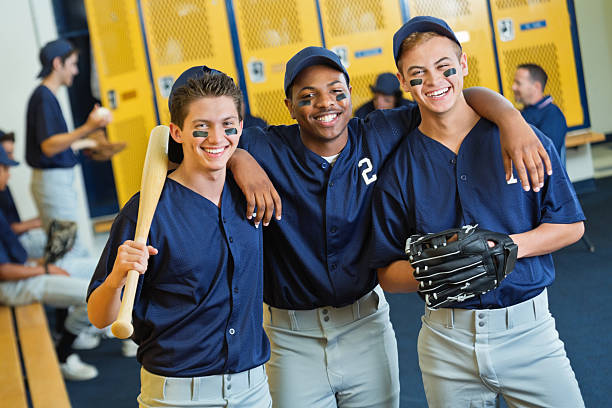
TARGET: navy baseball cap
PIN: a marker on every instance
(57, 48)
(308, 57)
(4, 159)
(421, 24)
(175, 150)
(386, 84)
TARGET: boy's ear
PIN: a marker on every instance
(289, 105)
(402, 82)
(176, 133)
(464, 64)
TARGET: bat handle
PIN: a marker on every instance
(122, 327)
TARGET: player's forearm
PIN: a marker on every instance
(103, 305)
(491, 105)
(24, 226)
(62, 141)
(547, 238)
(13, 271)
(397, 277)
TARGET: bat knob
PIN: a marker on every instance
(122, 330)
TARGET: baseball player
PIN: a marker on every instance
(197, 314)
(326, 317)
(538, 108)
(387, 94)
(48, 140)
(448, 173)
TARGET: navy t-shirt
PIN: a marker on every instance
(11, 250)
(198, 308)
(44, 119)
(428, 188)
(547, 117)
(316, 255)
(7, 206)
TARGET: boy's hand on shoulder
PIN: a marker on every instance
(257, 188)
(522, 148)
(131, 255)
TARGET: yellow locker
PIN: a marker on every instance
(469, 19)
(120, 61)
(539, 31)
(270, 32)
(181, 34)
(361, 33)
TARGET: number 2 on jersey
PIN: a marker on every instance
(366, 172)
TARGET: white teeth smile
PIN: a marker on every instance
(214, 151)
(439, 92)
(327, 118)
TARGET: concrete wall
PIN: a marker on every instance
(594, 18)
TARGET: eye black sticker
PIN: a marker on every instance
(200, 133)
(449, 72)
(305, 102)
(341, 97)
(415, 82)
(231, 131)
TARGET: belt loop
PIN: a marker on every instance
(270, 313)
(356, 311)
(450, 316)
(293, 319)
(195, 388)
(250, 379)
(535, 308)
(509, 322)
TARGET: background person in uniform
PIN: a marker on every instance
(538, 108)
(198, 308)
(327, 319)
(387, 95)
(504, 341)
(30, 233)
(48, 140)
(23, 282)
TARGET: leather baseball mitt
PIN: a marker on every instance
(458, 264)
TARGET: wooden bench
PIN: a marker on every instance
(582, 136)
(29, 346)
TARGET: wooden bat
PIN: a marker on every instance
(153, 178)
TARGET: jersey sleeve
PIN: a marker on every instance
(559, 203)
(49, 121)
(392, 215)
(124, 228)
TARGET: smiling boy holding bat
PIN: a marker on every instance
(197, 311)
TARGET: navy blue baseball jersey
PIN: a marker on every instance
(198, 308)
(7, 206)
(45, 119)
(315, 256)
(11, 250)
(547, 117)
(428, 188)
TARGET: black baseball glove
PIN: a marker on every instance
(452, 270)
(60, 239)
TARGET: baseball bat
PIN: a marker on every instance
(153, 178)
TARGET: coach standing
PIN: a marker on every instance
(48, 140)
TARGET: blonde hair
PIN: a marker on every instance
(419, 38)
